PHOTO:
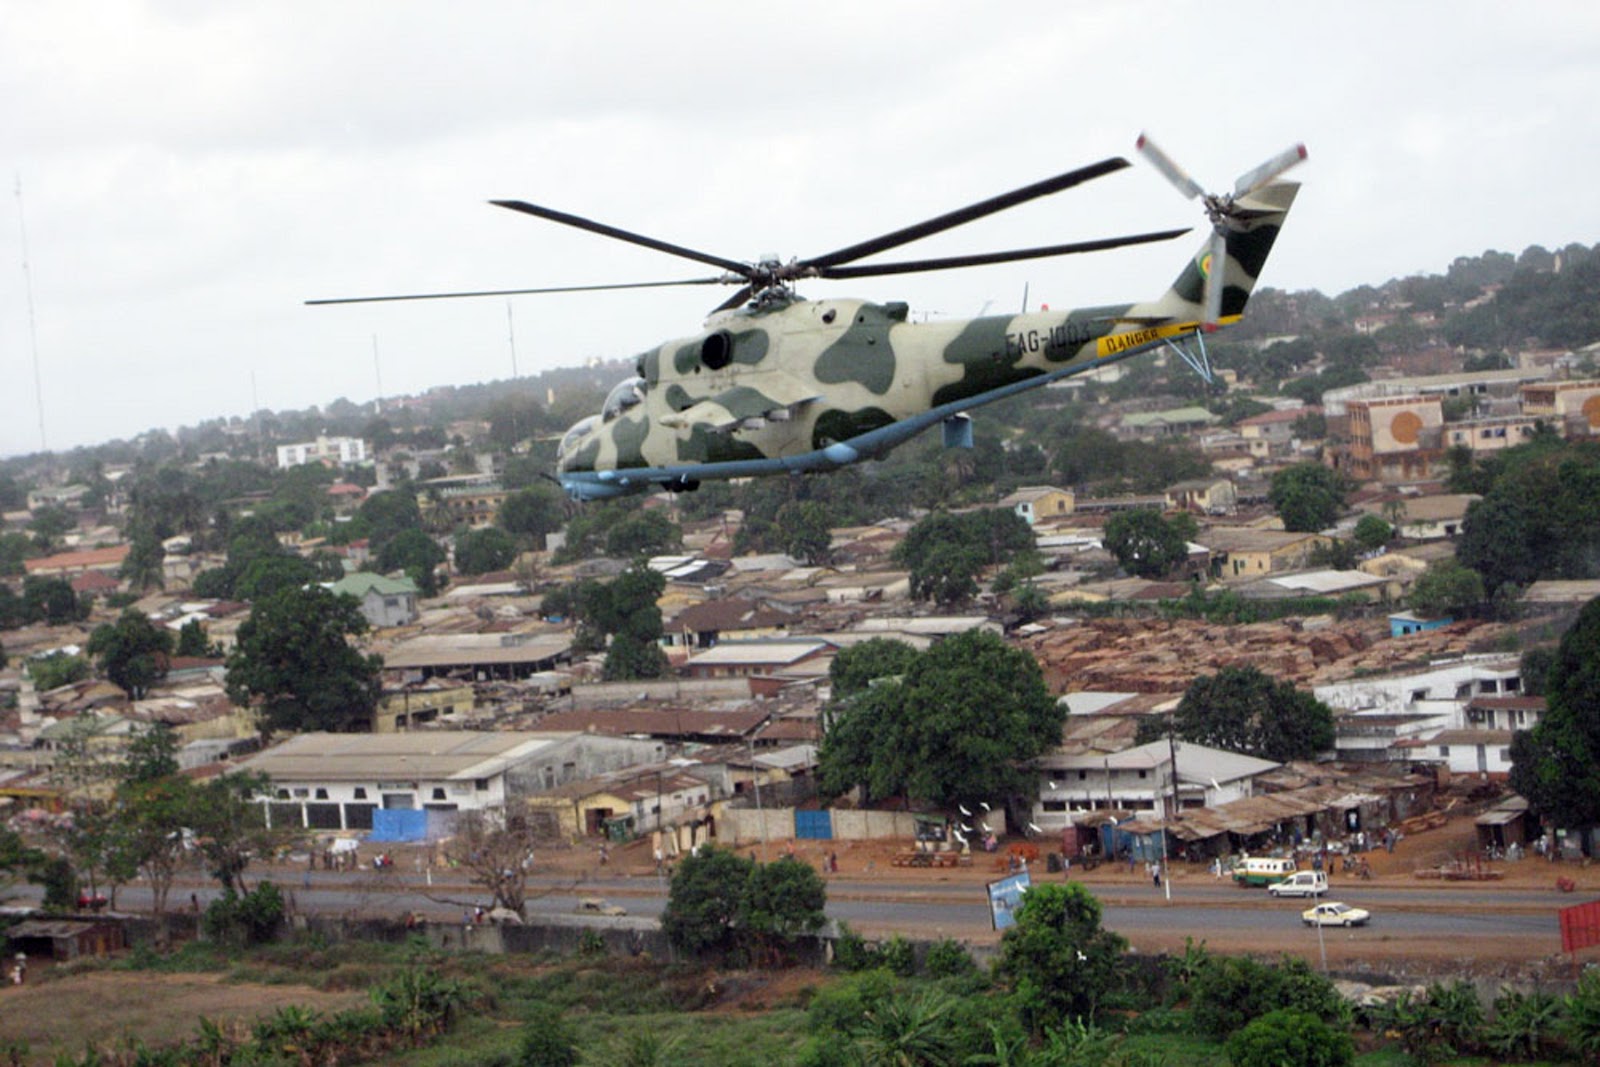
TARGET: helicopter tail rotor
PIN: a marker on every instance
(1228, 214)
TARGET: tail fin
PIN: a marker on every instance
(1248, 234)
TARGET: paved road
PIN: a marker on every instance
(1224, 915)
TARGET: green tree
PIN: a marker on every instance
(531, 514)
(485, 550)
(418, 555)
(133, 652)
(642, 533)
(946, 574)
(1240, 709)
(51, 601)
(806, 531)
(782, 901)
(142, 568)
(1060, 961)
(56, 670)
(151, 817)
(294, 656)
(623, 610)
(1372, 533)
(266, 575)
(1146, 543)
(1307, 496)
(193, 641)
(704, 901)
(1556, 765)
(151, 754)
(858, 666)
(230, 827)
(723, 905)
(1447, 588)
(385, 515)
(967, 714)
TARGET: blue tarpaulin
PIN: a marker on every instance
(399, 824)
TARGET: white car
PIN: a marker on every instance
(1334, 913)
(1300, 884)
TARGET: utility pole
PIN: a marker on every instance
(1166, 831)
(755, 776)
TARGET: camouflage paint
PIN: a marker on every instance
(842, 369)
(862, 355)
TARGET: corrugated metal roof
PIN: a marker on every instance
(433, 754)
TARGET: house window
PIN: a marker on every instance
(1055, 805)
(480, 784)
(283, 794)
(1143, 773)
(1444, 750)
(438, 793)
(1418, 694)
(361, 792)
(1083, 776)
(322, 794)
(1505, 755)
(302, 792)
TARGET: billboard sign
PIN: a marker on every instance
(1005, 897)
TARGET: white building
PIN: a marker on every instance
(1141, 779)
(325, 781)
(340, 451)
(1372, 715)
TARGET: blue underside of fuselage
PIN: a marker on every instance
(599, 485)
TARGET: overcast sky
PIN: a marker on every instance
(191, 171)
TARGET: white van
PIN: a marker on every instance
(1264, 870)
(1301, 884)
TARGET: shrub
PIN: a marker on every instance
(840, 1007)
(900, 956)
(252, 919)
(547, 1041)
(1524, 1026)
(1231, 991)
(949, 959)
(1582, 1026)
(851, 952)
(1286, 1036)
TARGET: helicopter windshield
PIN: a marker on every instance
(570, 439)
(627, 394)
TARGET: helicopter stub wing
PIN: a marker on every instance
(771, 396)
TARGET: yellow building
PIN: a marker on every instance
(403, 707)
(1573, 406)
(1040, 503)
(1246, 552)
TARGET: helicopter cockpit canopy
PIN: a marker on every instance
(572, 436)
(627, 394)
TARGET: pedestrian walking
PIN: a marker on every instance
(1155, 875)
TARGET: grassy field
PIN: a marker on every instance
(618, 1011)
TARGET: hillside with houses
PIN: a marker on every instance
(1341, 511)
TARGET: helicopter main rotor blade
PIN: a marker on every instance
(869, 270)
(735, 300)
(720, 279)
(967, 214)
(732, 266)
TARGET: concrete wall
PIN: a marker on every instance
(744, 825)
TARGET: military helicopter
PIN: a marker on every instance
(775, 383)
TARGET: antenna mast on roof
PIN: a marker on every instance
(33, 331)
